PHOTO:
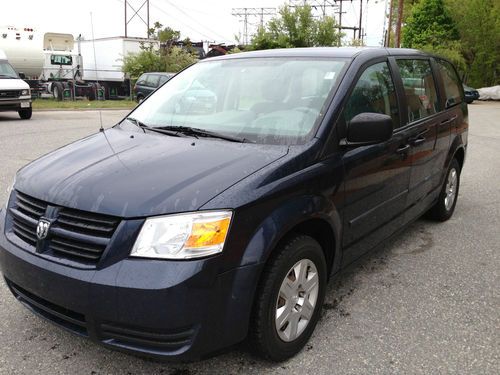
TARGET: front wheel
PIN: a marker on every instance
(445, 206)
(289, 298)
(25, 114)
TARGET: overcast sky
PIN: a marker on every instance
(199, 19)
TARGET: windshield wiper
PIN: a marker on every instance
(6, 76)
(188, 130)
(145, 127)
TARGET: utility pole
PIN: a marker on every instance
(136, 13)
(360, 17)
(246, 13)
(398, 24)
(125, 18)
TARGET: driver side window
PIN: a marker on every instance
(374, 92)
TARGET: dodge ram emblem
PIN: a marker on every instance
(42, 229)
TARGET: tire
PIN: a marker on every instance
(298, 253)
(445, 206)
(25, 114)
(57, 91)
(139, 98)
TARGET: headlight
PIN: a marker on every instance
(183, 236)
(25, 92)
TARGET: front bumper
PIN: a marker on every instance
(15, 104)
(164, 309)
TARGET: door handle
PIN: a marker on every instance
(418, 140)
(403, 149)
(449, 120)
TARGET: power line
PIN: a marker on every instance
(245, 13)
(189, 16)
(322, 5)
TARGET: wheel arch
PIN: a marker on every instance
(314, 216)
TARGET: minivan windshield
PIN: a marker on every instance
(6, 71)
(262, 100)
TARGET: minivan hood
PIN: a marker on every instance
(131, 174)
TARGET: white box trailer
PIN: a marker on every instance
(106, 65)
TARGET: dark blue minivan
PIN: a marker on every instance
(219, 208)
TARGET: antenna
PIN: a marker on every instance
(101, 128)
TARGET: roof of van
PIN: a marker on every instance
(342, 52)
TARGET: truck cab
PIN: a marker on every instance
(15, 94)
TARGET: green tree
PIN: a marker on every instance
(159, 55)
(296, 27)
(479, 25)
(430, 23)
(431, 28)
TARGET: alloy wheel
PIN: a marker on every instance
(296, 300)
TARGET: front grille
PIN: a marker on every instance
(82, 236)
(68, 319)
(9, 94)
(139, 338)
(76, 235)
(26, 213)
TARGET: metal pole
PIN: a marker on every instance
(340, 23)
(245, 28)
(389, 29)
(147, 10)
(398, 25)
(360, 17)
(125, 18)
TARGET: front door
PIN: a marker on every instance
(376, 176)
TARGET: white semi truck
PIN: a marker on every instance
(57, 64)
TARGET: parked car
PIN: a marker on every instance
(185, 228)
(471, 94)
(15, 94)
(149, 82)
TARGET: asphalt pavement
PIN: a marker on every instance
(427, 302)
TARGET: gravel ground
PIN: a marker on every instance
(427, 302)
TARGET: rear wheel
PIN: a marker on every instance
(57, 91)
(289, 299)
(445, 206)
(25, 114)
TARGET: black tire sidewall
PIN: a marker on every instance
(25, 114)
(303, 248)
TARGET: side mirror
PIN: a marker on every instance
(22, 75)
(368, 128)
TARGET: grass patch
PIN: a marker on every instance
(82, 104)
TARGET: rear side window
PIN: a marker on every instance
(420, 90)
(374, 92)
(164, 79)
(451, 83)
(152, 80)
